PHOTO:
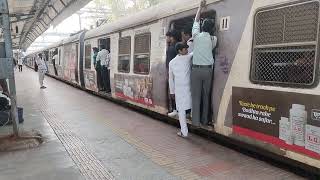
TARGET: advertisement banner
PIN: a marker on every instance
(137, 89)
(287, 120)
(70, 63)
(90, 80)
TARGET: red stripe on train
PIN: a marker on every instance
(274, 140)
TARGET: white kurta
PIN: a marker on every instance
(42, 67)
(179, 81)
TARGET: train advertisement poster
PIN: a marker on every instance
(288, 120)
(134, 88)
(70, 60)
(90, 80)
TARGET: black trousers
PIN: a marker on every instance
(106, 79)
(171, 102)
(20, 68)
(99, 78)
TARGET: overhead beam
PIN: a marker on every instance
(62, 2)
(55, 10)
(48, 16)
(21, 19)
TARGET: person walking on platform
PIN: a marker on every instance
(179, 84)
(20, 64)
(97, 66)
(104, 58)
(202, 68)
(42, 69)
(171, 53)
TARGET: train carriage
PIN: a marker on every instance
(266, 76)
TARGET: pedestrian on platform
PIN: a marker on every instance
(172, 39)
(104, 58)
(20, 64)
(179, 84)
(202, 68)
(42, 69)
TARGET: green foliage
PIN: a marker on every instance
(122, 8)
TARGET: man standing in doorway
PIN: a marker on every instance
(202, 68)
(104, 58)
(179, 83)
(42, 69)
(54, 60)
(97, 66)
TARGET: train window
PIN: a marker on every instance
(124, 54)
(285, 44)
(142, 43)
(87, 60)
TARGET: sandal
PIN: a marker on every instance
(181, 135)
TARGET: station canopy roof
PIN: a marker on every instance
(30, 18)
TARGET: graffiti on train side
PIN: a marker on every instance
(90, 80)
(137, 89)
(287, 120)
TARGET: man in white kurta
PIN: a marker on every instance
(179, 84)
(42, 69)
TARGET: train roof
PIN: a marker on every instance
(146, 16)
(151, 14)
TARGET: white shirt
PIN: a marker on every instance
(42, 67)
(55, 57)
(104, 57)
(203, 44)
(179, 81)
(20, 61)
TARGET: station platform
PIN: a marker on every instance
(87, 137)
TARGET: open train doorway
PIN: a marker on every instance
(104, 58)
(184, 25)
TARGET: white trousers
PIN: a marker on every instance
(183, 123)
(41, 77)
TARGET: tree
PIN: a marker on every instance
(121, 8)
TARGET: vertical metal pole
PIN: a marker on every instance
(4, 10)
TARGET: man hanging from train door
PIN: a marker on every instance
(97, 67)
(202, 68)
(55, 59)
(179, 84)
(104, 58)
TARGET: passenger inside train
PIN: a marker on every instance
(173, 37)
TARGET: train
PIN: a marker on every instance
(265, 90)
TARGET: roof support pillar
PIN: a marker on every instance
(4, 14)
